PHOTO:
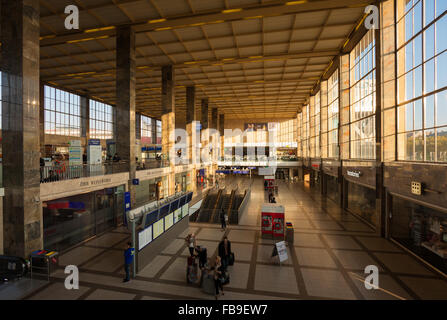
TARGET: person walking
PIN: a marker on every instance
(218, 274)
(223, 222)
(128, 260)
(224, 252)
(191, 242)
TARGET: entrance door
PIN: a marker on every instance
(105, 217)
(119, 205)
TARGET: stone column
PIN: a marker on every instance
(191, 130)
(204, 132)
(388, 100)
(22, 212)
(222, 134)
(168, 121)
(215, 135)
(85, 121)
(125, 101)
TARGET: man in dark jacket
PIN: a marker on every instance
(225, 252)
(128, 259)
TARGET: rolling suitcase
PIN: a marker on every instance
(231, 259)
(192, 271)
(208, 284)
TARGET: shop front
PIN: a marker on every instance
(183, 182)
(201, 179)
(331, 180)
(315, 177)
(71, 220)
(148, 190)
(359, 192)
(418, 210)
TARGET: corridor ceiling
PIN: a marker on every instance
(253, 59)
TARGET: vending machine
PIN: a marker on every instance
(272, 221)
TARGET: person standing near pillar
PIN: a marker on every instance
(129, 254)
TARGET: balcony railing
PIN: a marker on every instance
(152, 164)
(67, 172)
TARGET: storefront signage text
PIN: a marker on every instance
(355, 174)
(95, 182)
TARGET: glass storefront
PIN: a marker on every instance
(362, 201)
(420, 229)
(146, 191)
(182, 182)
(332, 188)
(71, 220)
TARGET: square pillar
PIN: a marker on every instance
(125, 101)
(22, 211)
(168, 121)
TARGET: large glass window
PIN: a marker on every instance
(287, 133)
(62, 112)
(315, 127)
(333, 116)
(101, 120)
(422, 80)
(146, 130)
(158, 131)
(363, 98)
(305, 131)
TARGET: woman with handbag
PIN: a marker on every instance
(218, 276)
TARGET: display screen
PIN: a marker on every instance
(150, 218)
(182, 201)
(174, 205)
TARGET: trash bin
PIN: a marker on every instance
(289, 232)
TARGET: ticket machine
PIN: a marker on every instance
(272, 221)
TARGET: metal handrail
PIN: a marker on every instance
(61, 172)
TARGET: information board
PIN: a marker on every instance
(169, 221)
(158, 228)
(144, 237)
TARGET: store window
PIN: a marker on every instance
(62, 112)
(362, 201)
(363, 98)
(101, 120)
(315, 127)
(332, 116)
(422, 80)
(421, 229)
(146, 130)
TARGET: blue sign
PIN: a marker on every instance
(135, 182)
(158, 148)
(126, 206)
(94, 142)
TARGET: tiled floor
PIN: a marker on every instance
(330, 251)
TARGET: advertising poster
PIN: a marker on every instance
(75, 152)
(282, 251)
(94, 151)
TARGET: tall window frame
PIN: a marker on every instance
(333, 111)
(422, 80)
(363, 98)
(62, 112)
(101, 120)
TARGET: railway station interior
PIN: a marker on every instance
(316, 125)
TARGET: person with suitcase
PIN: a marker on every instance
(203, 256)
(224, 252)
(218, 276)
(191, 243)
(192, 270)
